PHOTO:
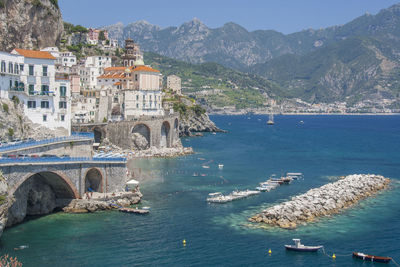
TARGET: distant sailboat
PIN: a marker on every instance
(271, 119)
(271, 114)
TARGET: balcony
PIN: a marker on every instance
(17, 89)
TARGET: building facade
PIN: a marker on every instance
(174, 83)
(91, 69)
(10, 69)
(44, 95)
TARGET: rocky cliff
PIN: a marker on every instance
(193, 122)
(29, 24)
(15, 125)
(5, 203)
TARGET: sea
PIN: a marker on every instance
(323, 148)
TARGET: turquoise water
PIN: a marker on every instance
(322, 148)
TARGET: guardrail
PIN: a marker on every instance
(57, 159)
(6, 148)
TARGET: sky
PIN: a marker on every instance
(286, 16)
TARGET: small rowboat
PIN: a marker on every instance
(372, 258)
(302, 248)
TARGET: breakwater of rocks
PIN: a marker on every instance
(326, 200)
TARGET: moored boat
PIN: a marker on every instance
(371, 258)
(302, 248)
(136, 210)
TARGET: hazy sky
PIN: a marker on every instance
(286, 16)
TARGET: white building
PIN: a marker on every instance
(174, 83)
(10, 68)
(92, 68)
(143, 96)
(46, 98)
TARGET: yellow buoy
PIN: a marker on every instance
(184, 242)
(333, 256)
(269, 251)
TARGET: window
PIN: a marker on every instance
(63, 90)
(136, 77)
(137, 97)
(62, 104)
(31, 70)
(44, 104)
(10, 67)
(44, 117)
(31, 104)
(3, 66)
(31, 89)
(45, 90)
(16, 68)
(21, 67)
(10, 84)
(137, 105)
(44, 71)
(62, 117)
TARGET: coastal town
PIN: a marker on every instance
(144, 145)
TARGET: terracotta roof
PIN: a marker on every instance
(34, 54)
(117, 75)
(145, 69)
(117, 83)
(114, 68)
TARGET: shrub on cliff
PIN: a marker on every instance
(5, 108)
(198, 110)
(180, 107)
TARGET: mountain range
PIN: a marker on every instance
(351, 62)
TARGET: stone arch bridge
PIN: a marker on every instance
(154, 131)
(72, 178)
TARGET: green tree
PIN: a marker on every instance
(102, 36)
(10, 132)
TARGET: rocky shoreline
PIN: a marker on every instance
(323, 201)
(125, 199)
(193, 123)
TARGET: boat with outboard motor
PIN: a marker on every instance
(302, 248)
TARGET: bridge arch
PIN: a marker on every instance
(141, 136)
(46, 173)
(165, 134)
(94, 180)
(40, 193)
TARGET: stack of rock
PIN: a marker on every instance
(325, 200)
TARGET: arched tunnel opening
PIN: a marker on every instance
(40, 194)
(98, 136)
(93, 181)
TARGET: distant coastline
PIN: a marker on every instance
(303, 113)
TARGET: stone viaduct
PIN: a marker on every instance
(70, 179)
(157, 131)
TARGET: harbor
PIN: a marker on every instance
(218, 234)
